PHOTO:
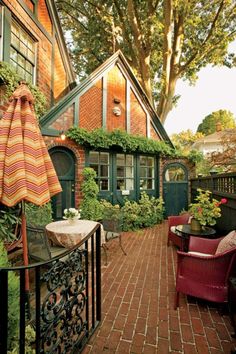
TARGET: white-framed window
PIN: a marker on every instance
(22, 52)
(147, 172)
(124, 172)
(100, 162)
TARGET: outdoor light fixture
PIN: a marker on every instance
(63, 135)
(116, 100)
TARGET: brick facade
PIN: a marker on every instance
(90, 107)
(52, 77)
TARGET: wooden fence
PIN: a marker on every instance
(221, 186)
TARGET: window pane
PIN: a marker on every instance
(104, 185)
(174, 173)
(129, 160)
(93, 157)
(120, 184)
(129, 184)
(104, 158)
(120, 172)
(150, 184)
(120, 160)
(104, 171)
(150, 161)
(22, 52)
(150, 172)
(142, 160)
(95, 167)
(142, 172)
(129, 172)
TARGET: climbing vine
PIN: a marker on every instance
(101, 139)
(10, 78)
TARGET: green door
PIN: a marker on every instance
(175, 188)
(64, 162)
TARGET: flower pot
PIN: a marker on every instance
(195, 225)
(72, 221)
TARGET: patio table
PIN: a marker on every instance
(184, 232)
(66, 234)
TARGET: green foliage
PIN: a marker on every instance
(9, 220)
(99, 138)
(146, 213)
(38, 216)
(13, 299)
(29, 340)
(11, 79)
(195, 156)
(222, 117)
(206, 209)
(90, 208)
(187, 34)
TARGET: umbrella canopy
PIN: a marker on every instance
(26, 170)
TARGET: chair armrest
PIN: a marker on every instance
(203, 245)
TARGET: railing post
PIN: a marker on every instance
(98, 274)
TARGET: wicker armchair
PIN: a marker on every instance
(174, 221)
(205, 276)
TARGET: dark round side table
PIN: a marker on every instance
(184, 231)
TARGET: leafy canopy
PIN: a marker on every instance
(162, 40)
(218, 120)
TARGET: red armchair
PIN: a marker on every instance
(174, 221)
(205, 277)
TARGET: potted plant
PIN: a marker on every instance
(205, 210)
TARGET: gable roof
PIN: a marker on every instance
(116, 59)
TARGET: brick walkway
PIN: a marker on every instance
(137, 304)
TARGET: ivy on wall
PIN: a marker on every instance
(10, 78)
(118, 139)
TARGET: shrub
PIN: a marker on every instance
(9, 220)
(37, 216)
(90, 207)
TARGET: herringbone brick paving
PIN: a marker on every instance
(138, 300)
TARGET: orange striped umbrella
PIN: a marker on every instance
(26, 170)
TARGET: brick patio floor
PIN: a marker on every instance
(138, 300)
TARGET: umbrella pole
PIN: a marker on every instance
(25, 257)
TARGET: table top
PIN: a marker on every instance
(67, 234)
(186, 230)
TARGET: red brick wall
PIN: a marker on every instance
(44, 17)
(138, 119)
(116, 88)
(60, 79)
(153, 134)
(65, 120)
(90, 108)
(44, 57)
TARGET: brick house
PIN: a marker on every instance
(110, 98)
(32, 41)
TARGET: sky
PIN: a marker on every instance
(215, 89)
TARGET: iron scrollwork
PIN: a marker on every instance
(63, 319)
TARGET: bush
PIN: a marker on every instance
(13, 299)
(38, 216)
(9, 221)
(90, 207)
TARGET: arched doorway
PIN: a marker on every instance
(64, 162)
(175, 188)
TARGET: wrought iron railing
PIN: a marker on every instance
(64, 299)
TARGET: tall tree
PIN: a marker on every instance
(218, 120)
(185, 139)
(163, 40)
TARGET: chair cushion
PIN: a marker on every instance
(172, 229)
(228, 242)
(200, 254)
